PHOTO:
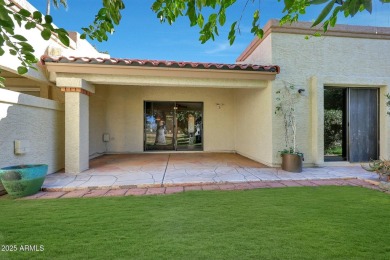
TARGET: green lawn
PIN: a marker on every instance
(335, 150)
(284, 223)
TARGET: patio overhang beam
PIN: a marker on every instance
(160, 76)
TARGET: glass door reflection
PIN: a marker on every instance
(159, 126)
(173, 126)
(189, 133)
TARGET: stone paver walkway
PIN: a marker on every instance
(178, 189)
(163, 173)
(177, 169)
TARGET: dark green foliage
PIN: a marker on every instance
(105, 20)
(182, 117)
(335, 150)
(388, 103)
(334, 98)
(333, 128)
(334, 103)
(324, 12)
(329, 13)
(285, 223)
(169, 10)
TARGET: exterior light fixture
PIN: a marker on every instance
(219, 105)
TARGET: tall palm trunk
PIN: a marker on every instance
(48, 7)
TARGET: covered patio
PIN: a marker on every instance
(120, 106)
(124, 171)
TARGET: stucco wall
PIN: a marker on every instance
(38, 121)
(262, 54)
(97, 121)
(329, 55)
(326, 61)
(254, 124)
(125, 112)
(76, 132)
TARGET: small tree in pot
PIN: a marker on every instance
(287, 99)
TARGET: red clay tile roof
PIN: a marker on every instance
(160, 63)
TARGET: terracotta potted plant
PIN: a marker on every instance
(23, 180)
(287, 98)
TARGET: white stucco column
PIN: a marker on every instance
(77, 92)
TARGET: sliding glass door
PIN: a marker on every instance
(173, 126)
(159, 126)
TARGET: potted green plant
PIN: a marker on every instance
(23, 180)
(287, 98)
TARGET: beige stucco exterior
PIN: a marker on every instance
(247, 123)
(76, 132)
(108, 97)
(116, 106)
(241, 125)
(351, 56)
(38, 123)
(253, 125)
(39, 126)
(124, 117)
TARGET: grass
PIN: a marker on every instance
(335, 150)
(286, 223)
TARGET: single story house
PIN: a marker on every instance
(85, 103)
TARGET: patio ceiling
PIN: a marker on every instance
(160, 73)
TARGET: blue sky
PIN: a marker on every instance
(140, 34)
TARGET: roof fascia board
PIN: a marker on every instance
(158, 71)
(137, 80)
(74, 82)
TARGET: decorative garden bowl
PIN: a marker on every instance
(23, 180)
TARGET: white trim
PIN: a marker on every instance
(19, 89)
(12, 97)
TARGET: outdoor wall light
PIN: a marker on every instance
(303, 92)
(219, 105)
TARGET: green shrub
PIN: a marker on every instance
(333, 128)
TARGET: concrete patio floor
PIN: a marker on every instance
(151, 170)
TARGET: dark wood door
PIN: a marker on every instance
(362, 124)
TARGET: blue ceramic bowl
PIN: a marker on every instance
(23, 180)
